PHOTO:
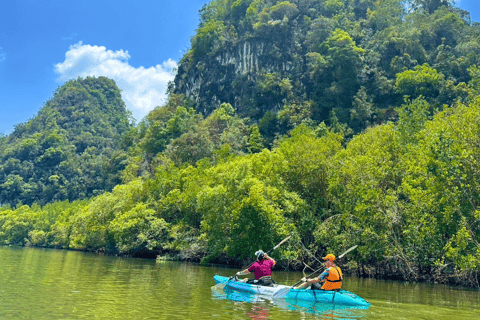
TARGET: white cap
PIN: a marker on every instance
(259, 253)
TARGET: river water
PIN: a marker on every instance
(59, 284)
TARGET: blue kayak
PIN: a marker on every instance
(277, 291)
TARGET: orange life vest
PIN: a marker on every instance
(334, 279)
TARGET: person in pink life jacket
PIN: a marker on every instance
(262, 270)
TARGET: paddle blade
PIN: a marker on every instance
(219, 290)
(282, 293)
(352, 248)
(283, 241)
(221, 285)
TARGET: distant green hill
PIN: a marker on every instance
(72, 149)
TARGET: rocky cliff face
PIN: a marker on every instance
(328, 59)
(251, 54)
(231, 75)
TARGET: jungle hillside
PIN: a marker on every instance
(336, 122)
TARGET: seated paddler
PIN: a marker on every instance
(332, 277)
(262, 269)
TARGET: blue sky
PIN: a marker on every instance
(138, 43)
(44, 43)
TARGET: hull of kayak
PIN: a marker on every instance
(341, 297)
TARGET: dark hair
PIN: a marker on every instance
(259, 254)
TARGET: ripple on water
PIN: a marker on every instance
(54, 284)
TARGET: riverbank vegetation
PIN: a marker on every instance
(215, 187)
(406, 193)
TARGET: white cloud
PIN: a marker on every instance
(142, 88)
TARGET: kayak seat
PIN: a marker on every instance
(270, 282)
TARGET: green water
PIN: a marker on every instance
(57, 284)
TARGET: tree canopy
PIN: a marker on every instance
(72, 149)
(329, 52)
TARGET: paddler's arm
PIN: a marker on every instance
(243, 272)
(312, 280)
(270, 258)
(320, 278)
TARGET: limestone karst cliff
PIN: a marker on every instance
(335, 58)
(231, 75)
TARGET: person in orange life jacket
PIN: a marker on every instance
(332, 277)
(262, 269)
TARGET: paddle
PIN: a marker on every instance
(283, 292)
(274, 248)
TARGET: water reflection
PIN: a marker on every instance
(48, 284)
(259, 313)
(261, 305)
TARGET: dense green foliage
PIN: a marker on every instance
(216, 187)
(71, 150)
(405, 192)
(352, 58)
